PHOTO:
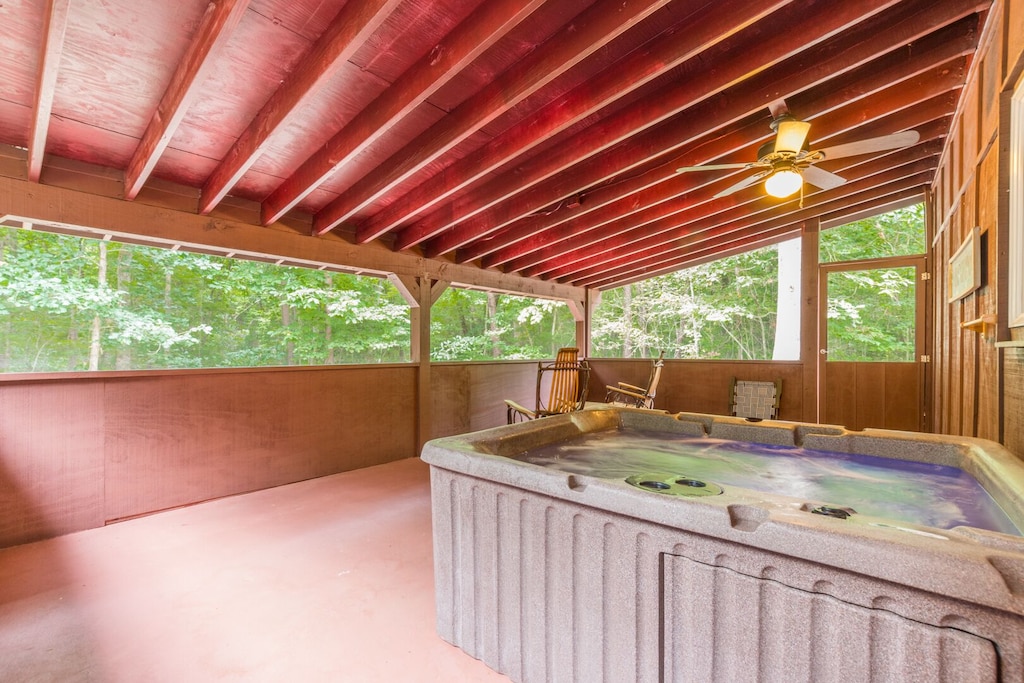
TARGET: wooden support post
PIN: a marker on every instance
(809, 344)
(581, 310)
(420, 293)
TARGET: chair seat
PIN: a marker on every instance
(566, 379)
(624, 394)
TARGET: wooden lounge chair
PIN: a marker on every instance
(624, 394)
(755, 400)
(566, 379)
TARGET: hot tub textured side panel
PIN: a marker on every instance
(541, 591)
(721, 625)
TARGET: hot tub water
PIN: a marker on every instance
(910, 492)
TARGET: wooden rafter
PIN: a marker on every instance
(480, 31)
(596, 27)
(711, 24)
(746, 207)
(881, 200)
(637, 250)
(705, 212)
(356, 22)
(55, 24)
(750, 207)
(922, 72)
(807, 69)
(680, 192)
(218, 22)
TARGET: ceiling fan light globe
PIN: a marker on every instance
(782, 184)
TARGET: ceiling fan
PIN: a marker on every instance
(786, 162)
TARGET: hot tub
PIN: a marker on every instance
(649, 567)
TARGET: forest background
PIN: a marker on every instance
(75, 304)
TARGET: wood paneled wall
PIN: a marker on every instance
(470, 396)
(76, 453)
(976, 386)
(702, 386)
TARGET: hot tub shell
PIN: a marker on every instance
(549, 576)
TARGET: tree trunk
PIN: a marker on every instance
(492, 324)
(627, 321)
(289, 347)
(94, 341)
(123, 360)
(329, 281)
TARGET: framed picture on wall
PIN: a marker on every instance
(965, 267)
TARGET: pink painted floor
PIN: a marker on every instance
(325, 580)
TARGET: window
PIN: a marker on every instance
(898, 233)
(1015, 261)
(726, 309)
(871, 308)
(473, 325)
(73, 304)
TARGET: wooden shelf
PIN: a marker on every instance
(984, 325)
(1012, 344)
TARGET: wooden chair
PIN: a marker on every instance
(638, 397)
(757, 400)
(566, 378)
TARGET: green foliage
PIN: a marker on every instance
(897, 233)
(77, 304)
(723, 309)
(871, 313)
(161, 309)
(471, 325)
(727, 309)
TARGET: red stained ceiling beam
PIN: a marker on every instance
(596, 27)
(513, 194)
(641, 252)
(662, 183)
(890, 202)
(528, 234)
(867, 41)
(218, 22)
(881, 201)
(707, 212)
(928, 118)
(55, 23)
(721, 215)
(482, 29)
(706, 27)
(356, 22)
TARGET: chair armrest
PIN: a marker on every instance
(513, 407)
(631, 387)
(620, 390)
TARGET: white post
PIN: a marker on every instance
(787, 307)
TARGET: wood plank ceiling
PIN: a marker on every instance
(536, 137)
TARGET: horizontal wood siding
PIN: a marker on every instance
(471, 396)
(701, 386)
(79, 452)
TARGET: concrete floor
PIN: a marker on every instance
(325, 580)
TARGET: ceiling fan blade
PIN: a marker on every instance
(710, 167)
(881, 144)
(791, 136)
(746, 182)
(819, 177)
